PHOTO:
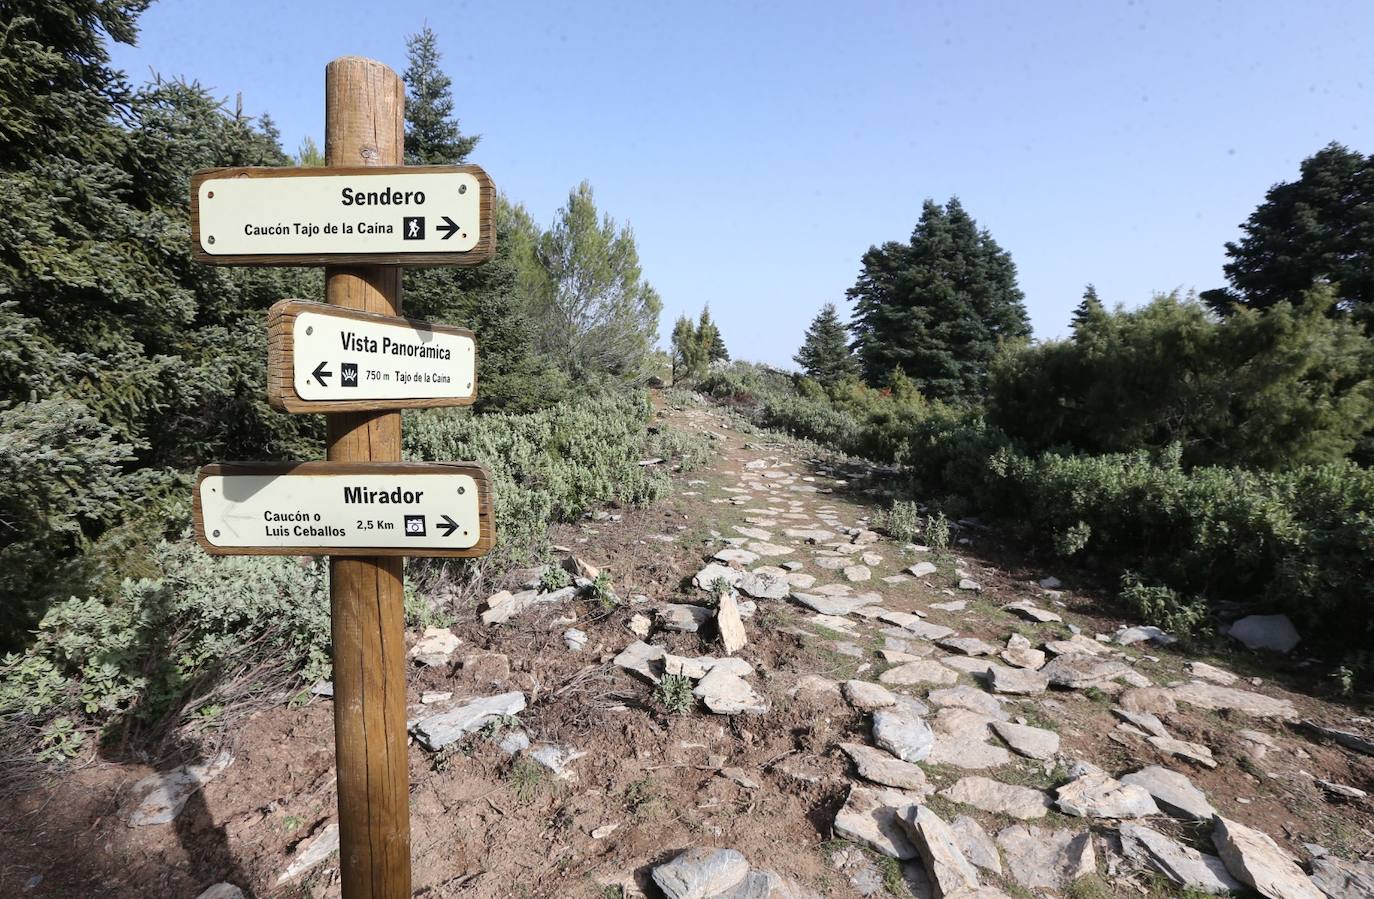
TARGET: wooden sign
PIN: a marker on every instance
(382, 215)
(344, 509)
(323, 358)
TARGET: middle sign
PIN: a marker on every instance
(323, 358)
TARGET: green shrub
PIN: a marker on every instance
(674, 693)
(554, 578)
(1167, 609)
(902, 521)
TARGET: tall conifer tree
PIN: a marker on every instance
(825, 355)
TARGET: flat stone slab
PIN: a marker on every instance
(969, 698)
(867, 696)
(438, 731)
(995, 797)
(882, 767)
(921, 671)
(1032, 742)
(829, 605)
(765, 585)
(1256, 861)
(903, 734)
(1173, 792)
(857, 573)
(1340, 878)
(1017, 681)
(1193, 752)
(701, 873)
(1032, 612)
(317, 850)
(736, 555)
(1024, 657)
(706, 577)
(1078, 671)
(638, 657)
(682, 617)
(434, 647)
(1181, 864)
(962, 740)
(927, 631)
(726, 693)
(165, 794)
(1040, 859)
(1216, 698)
(770, 549)
(1211, 673)
(949, 872)
(969, 646)
(870, 818)
(976, 845)
(923, 569)
(1098, 795)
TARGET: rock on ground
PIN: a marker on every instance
(1274, 632)
(870, 818)
(677, 616)
(1182, 864)
(976, 845)
(320, 847)
(1032, 742)
(1044, 859)
(437, 731)
(434, 646)
(732, 636)
(1173, 792)
(1256, 860)
(638, 657)
(922, 671)
(903, 734)
(222, 891)
(988, 795)
(165, 793)
(867, 696)
(1339, 878)
(1097, 795)
(1217, 698)
(1021, 681)
(882, 767)
(726, 693)
(970, 699)
(948, 870)
(706, 577)
(701, 873)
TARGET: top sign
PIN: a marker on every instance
(397, 215)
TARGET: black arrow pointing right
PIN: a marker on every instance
(320, 374)
(448, 526)
(448, 228)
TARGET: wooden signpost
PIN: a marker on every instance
(362, 216)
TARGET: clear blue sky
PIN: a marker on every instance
(759, 148)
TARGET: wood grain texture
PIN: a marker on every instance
(365, 126)
(482, 252)
(281, 381)
(479, 474)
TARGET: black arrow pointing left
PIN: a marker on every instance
(320, 374)
(448, 228)
(448, 525)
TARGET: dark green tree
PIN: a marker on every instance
(708, 333)
(432, 133)
(1089, 310)
(1319, 228)
(825, 355)
(938, 306)
(689, 357)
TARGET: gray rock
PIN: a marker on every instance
(316, 850)
(557, 757)
(736, 555)
(726, 693)
(976, 845)
(638, 657)
(969, 646)
(222, 891)
(1274, 632)
(857, 573)
(949, 872)
(871, 818)
(923, 569)
(764, 585)
(574, 639)
(1348, 739)
(437, 731)
(1256, 860)
(1216, 698)
(434, 647)
(701, 873)
(927, 631)
(921, 671)
(995, 797)
(829, 605)
(1042, 859)
(961, 740)
(1146, 721)
(1032, 612)
(1341, 879)
(1079, 671)
(1017, 681)
(1129, 636)
(1182, 864)
(164, 795)
(1032, 742)
(957, 605)
(867, 696)
(969, 698)
(1193, 752)
(978, 666)
(729, 625)
(706, 577)
(1101, 796)
(682, 617)
(902, 734)
(1172, 792)
(883, 768)
(503, 606)
(1203, 671)
(968, 583)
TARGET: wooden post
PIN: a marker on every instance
(365, 125)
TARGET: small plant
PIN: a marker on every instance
(937, 533)
(892, 876)
(719, 588)
(61, 740)
(499, 723)
(603, 593)
(613, 891)
(902, 522)
(644, 797)
(1073, 539)
(526, 779)
(1097, 696)
(1345, 680)
(674, 693)
(554, 578)
(1166, 608)
(292, 823)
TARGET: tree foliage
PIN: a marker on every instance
(825, 355)
(1270, 389)
(433, 136)
(696, 346)
(1319, 228)
(937, 307)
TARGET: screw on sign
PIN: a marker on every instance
(363, 216)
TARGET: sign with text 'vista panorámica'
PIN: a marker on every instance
(392, 215)
(344, 509)
(323, 358)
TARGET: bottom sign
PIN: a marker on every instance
(344, 509)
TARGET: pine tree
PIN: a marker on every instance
(825, 355)
(708, 334)
(432, 133)
(938, 306)
(1090, 309)
(688, 359)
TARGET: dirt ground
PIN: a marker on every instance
(486, 824)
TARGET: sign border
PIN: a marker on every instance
(482, 252)
(486, 520)
(281, 381)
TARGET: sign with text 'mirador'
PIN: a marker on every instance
(392, 215)
(344, 509)
(323, 358)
